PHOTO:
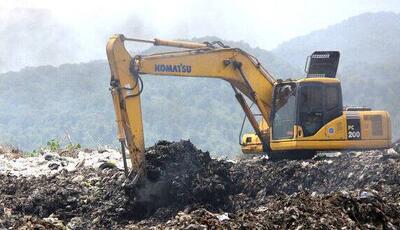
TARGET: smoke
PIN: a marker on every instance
(32, 37)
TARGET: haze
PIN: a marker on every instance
(84, 26)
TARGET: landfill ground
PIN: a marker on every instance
(187, 189)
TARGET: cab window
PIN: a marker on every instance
(311, 108)
(332, 97)
(334, 106)
(284, 116)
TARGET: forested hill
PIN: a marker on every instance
(41, 103)
(370, 38)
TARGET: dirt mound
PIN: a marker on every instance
(371, 170)
(297, 211)
(180, 172)
(186, 188)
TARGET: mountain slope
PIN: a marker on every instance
(367, 38)
(50, 102)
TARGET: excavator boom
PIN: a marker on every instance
(245, 74)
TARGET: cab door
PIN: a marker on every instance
(318, 104)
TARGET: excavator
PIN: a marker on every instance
(298, 117)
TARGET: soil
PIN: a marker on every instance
(186, 188)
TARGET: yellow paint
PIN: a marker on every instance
(127, 109)
(323, 140)
(223, 63)
(326, 80)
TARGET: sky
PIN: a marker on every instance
(265, 24)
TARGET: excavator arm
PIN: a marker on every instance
(243, 71)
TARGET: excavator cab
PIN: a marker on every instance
(308, 104)
(308, 115)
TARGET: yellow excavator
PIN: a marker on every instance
(298, 117)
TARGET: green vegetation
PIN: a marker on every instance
(71, 146)
(53, 145)
(34, 153)
(51, 101)
(41, 103)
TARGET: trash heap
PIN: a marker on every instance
(186, 188)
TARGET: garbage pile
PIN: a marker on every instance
(15, 162)
(186, 188)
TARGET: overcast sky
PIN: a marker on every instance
(261, 23)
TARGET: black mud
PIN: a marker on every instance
(185, 188)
